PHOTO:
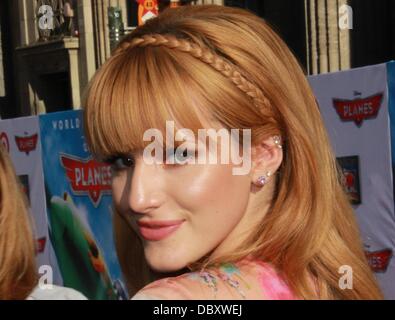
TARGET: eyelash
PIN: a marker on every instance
(184, 155)
(122, 162)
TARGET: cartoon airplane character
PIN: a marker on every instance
(147, 9)
(80, 261)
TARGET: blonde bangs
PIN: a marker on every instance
(142, 89)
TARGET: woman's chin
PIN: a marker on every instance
(164, 264)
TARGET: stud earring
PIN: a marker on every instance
(277, 141)
(262, 180)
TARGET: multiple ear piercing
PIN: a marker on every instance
(262, 180)
(277, 141)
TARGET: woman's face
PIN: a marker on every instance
(181, 212)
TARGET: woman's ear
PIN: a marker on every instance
(267, 156)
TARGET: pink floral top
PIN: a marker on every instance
(248, 279)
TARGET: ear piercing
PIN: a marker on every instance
(262, 180)
(277, 141)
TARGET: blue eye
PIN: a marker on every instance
(180, 156)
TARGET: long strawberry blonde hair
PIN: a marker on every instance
(229, 64)
(18, 274)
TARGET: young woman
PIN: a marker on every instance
(18, 271)
(281, 230)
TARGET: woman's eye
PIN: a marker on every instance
(122, 162)
(180, 156)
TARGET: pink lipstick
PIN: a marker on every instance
(158, 230)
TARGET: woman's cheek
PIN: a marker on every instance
(118, 185)
(195, 193)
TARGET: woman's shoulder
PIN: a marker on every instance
(248, 279)
(55, 293)
(173, 288)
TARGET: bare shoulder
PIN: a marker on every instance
(248, 279)
(210, 284)
(174, 288)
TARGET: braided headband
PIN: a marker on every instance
(203, 54)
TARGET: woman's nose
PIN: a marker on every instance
(146, 192)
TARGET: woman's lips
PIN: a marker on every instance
(158, 230)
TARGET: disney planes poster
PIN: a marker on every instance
(357, 107)
(20, 138)
(79, 208)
